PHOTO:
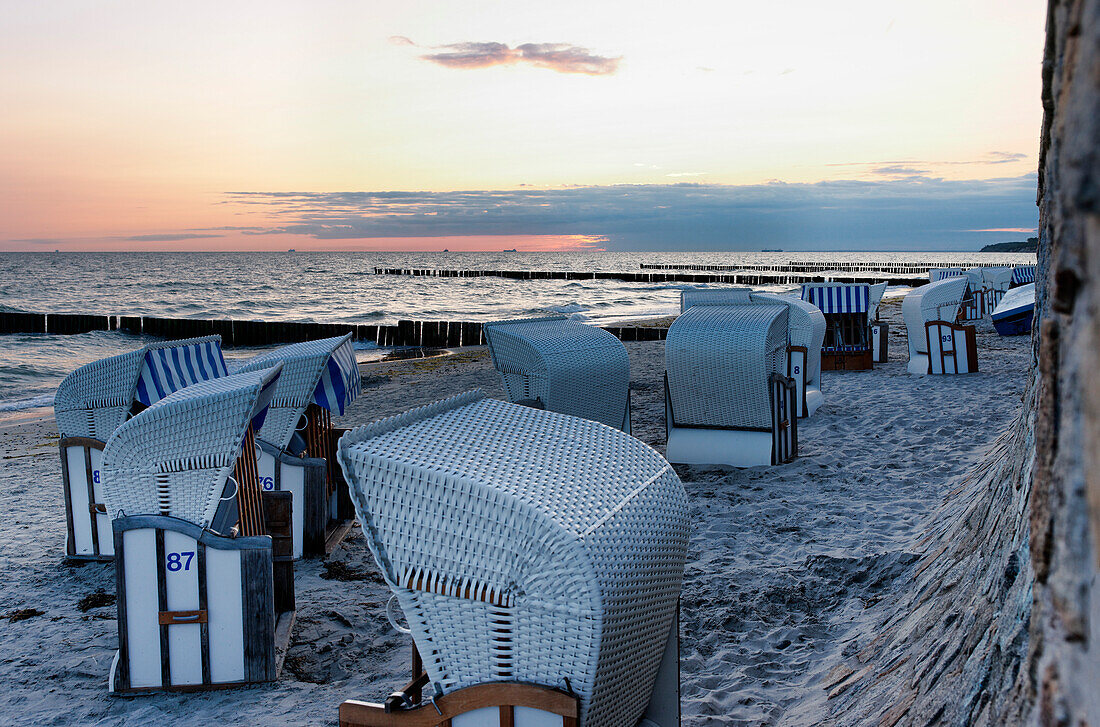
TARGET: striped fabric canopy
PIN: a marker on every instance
(173, 365)
(936, 274)
(340, 381)
(1023, 274)
(838, 298)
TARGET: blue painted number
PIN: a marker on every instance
(95, 476)
(268, 483)
(175, 561)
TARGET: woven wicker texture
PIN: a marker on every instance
(174, 457)
(937, 301)
(806, 321)
(95, 399)
(997, 278)
(719, 359)
(714, 296)
(305, 366)
(571, 367)
(567, 539)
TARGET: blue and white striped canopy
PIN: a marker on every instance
(937, 274)
(838, 298)
(174, 365)
(340, 381)
(1023, 274)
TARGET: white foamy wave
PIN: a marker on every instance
(568, 308)
(32, 403)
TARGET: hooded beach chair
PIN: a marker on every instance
(937, 274)
(204, 582)
(937, 343)
(847, 308)
(1022, 275)
(93, 401)
(298, 442)
(727, 400)
(537, 558)
(563, 365)
(805, 334)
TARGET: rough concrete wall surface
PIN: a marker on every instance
(1001, 623)
(1065, 513)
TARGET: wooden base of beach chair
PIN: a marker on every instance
(973, 308)
(195, 610)
(509, 704)
(847, 360)
(880, 342)
(952, 348)
(87, 524)
(737, 447)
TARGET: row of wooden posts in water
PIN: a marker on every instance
(428, 334)
(739, 278)
(805, 267)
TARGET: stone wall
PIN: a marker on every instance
(1001, 622)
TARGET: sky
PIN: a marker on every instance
(368, 125)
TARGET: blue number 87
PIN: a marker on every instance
(175, 562)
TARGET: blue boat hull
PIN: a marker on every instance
(1015, 323)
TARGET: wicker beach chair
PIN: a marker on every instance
(937, 274)
(204, 580)
(848, 309)
(298, 442)
(937, 343)
(1022, 275)
(563, 365)
(805, 335)
(524, 547)
(727, 400)
(93, 401)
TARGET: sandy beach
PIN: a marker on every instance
(782, 565)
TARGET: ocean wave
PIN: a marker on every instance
(33, 402)
(365, 345)
(568, 308)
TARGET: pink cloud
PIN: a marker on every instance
(559, 57)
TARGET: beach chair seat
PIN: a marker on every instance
(563, 365)
(847, 309)
(204, 590)
(927, 310)
(525, 547)
(298, 442)
(97, 398)
(805, 335)
(727, 400)
(996, 281)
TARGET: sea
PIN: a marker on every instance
(335, 287)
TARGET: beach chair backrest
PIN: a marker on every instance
(876, 291)
(806, 328)
(714, 296)
(176, 458)
(570, 367)
(937, 301)
(322, 372)
(95, 399)
(720, 360)
(525, 546)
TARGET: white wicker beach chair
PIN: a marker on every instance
(298, 442)
(806, 332)
(847, 308)
(930, 313)
(875, 291)
(525, 546)
(727, 400)
(198, 606)
(563, 365)
(96, 399)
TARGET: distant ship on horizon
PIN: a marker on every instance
(512, 250)
(771, 249)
